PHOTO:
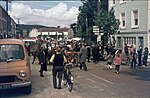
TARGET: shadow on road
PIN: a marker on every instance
(138, 73)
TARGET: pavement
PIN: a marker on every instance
(97, 82)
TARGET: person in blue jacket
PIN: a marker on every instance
(140, 56)
(145, 57)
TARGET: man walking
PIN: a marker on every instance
(43, 60)
(88, 52)
(95, 53)
(58, 60)
(82, 57)
(140, 56)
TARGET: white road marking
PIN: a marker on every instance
(90, 80)
(103, 79)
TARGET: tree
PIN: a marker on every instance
(107, 23)
(81, 24)
(86, 19)
(74, 28)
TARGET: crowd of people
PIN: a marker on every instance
(137, 57)
(59, 54)
(79, 52)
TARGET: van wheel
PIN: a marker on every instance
(27, 90)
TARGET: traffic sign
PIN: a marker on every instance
(96, 30)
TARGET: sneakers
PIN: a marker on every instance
(41, 75)
(59, 88)
(143, 66)
(116, 71)
(110, 67)
(55, 87)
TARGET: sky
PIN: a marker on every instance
(47, 13)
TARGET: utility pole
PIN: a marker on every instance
(18, 21)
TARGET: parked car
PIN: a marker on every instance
(15, 69)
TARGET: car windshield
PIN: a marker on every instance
(11, 52)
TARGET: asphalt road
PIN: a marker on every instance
(97, 82)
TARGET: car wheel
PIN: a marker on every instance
(27, 90)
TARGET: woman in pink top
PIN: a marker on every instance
(117, 61)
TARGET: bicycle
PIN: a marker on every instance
(68, 76)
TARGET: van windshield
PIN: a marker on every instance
(11, 52)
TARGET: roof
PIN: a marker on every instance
(54, 30)
(11, 41)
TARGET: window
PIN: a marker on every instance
(114, 2)
(135, 19)
(141, 41)
(119, 41)
(123, 20)
(130, 40)
(14, 52)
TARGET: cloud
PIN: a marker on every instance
(58, 15)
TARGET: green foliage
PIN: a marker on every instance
(107, 23)
(74, 28)
(86, 18)
(105, 20)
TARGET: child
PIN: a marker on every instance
(117, 61)
(109, 60)
(134, 58)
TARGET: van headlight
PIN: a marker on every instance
(22, 73)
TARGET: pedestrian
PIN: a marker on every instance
(117, 61)
(131, 49)
(95, 53)
(82, 57)
(35, 54)
(88, 52)
(43, 60)
(126, 49)
(134, 58)
(145, 57)
(109, 59)
(140, 56)
(50, 53)
(27, 45)
(58, 59)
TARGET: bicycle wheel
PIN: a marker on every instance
(70, 87)
(70, 84)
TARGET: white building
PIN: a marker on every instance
(134, 16)
(55, 33)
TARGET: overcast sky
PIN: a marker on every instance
(48, 13)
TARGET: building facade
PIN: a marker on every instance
(134, 16)
(52, 33)
(6, 23)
